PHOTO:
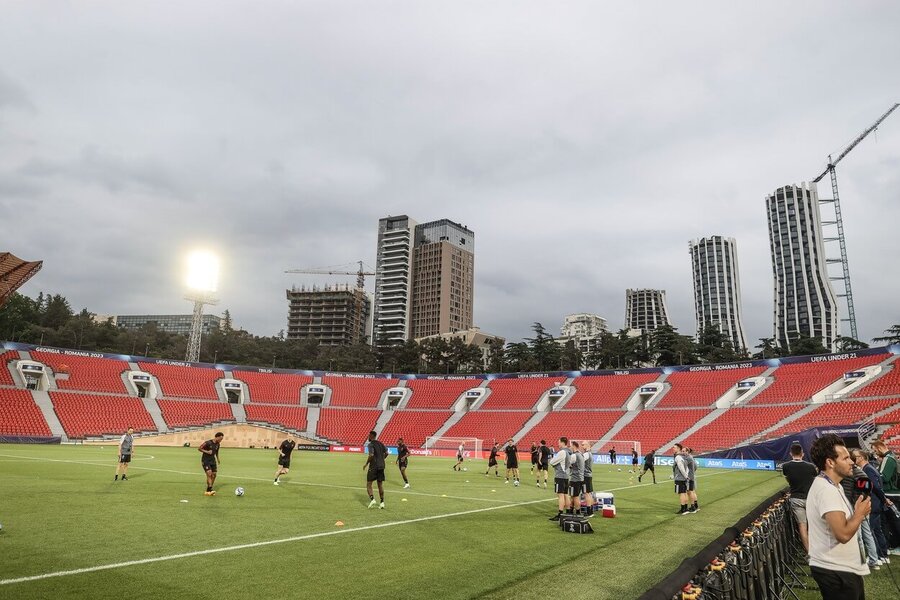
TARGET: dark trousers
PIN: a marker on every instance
(838, 585)
(878, 533)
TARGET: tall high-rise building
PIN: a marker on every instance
(443, 278)
(584, 329)
(424, 278)
(645, 309)
(333, 315)
(805, 303)
(717, 287)
(393, 279)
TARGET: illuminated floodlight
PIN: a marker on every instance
(202, 271)
(202, 281)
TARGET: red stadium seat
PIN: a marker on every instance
(887, 384)
(414, 426)
(273, 388)
(702, 388)
(185, 382)
(347, 425)
(19, 415)
(834, 413)
(292, 417)
(574, 424)
(5, 358)
(655, 427)
(799, 382)
(434, 393)
(353, 391)
(606, 391)
(520, 394)
(186, 413)
(87, 374)
(84, 415)
(736, 425)
(489, 425)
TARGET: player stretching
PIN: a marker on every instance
(634, 461)
(210, 461)
(534, 456)
(492, 461)
(512, 461)
(649, 462)
(375, 466)
(284, 457)
(560, 464)
(126, 445)
(403, 460)
(544, 455)
(459, 458)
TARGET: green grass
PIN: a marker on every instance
(61, 510)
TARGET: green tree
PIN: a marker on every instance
(892, 336)
(570, 357)
(496, 356)
(519, 357)
(713, 346)
(848, 344)
(671, 348)
(544, 349)
(768, 348)
(803, 345)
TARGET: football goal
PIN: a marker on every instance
(471, 446)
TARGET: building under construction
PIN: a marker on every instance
(334, 315)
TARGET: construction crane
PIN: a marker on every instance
(360, 274)
(839, 222)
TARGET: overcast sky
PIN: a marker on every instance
(584, 142)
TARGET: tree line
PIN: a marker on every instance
(50, 320)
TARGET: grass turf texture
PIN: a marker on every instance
(61, 510)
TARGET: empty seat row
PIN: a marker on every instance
(184, 382)
(703, 388)
(19, 415)
(800, 382)
(84, 415)
(607, 391)
(187, 413)
(356, 391)
(520, 394)
(273, 388)
(291, 417)
(433, 393)
(85, 373)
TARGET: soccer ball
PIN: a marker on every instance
(516, 483)
(465, 468)
(619, 469)
(238, 491)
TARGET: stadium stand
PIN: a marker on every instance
(702, 388)
(413, 426)
(433, 393)
(606, 391)
(352, 391)
(886, 385)
(737, 425)
(577, 425)
(654, 427)
(347, 425)
(520, 394)
(292, 417)
(834, 413)
(799, 382)
(19, 415)
(85, 373)
(85, 415)
(5, 375)
(273, 388)
(187, 413)
(892, 433)
(184, 382)
(489, 425)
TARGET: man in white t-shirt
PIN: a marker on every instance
(836, 556)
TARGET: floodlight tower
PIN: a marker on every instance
(202, 281)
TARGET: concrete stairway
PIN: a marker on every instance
(42, 399)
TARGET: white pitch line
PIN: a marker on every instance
(251, 478)
(298, 538)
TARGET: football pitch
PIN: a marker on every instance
(70, 531)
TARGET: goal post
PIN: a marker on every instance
(623, 450)
(450, 445)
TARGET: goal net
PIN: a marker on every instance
(623, 450)
(471, 446)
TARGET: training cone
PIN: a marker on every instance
(339, 524)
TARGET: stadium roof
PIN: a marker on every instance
(14, 272)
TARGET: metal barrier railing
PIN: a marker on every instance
(759, 558)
